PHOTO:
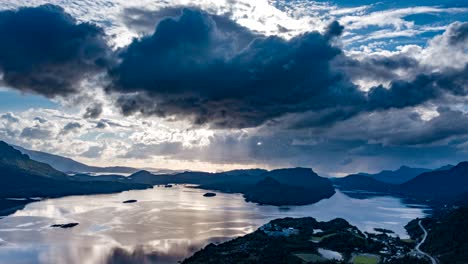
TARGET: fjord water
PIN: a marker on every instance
(166, 224)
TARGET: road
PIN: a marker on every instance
(433, 260)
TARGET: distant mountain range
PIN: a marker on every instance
(69, 165)
(443, 185)
(27, 174)
(293, 186)
(361, 182)
(403, 174)
(23, 179)
(446, 184)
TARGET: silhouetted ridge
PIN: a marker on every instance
(22, 177)
(362, 183)
(11, 157)
(65, 164)
(443, 185)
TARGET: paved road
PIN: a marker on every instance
(433, 260)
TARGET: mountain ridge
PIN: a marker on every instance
(23, 178)
(66, 164)
(437, 186)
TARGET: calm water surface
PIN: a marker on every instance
(166, 224)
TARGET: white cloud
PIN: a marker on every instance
(393, 17)
(442, 53)
(267, 17)
(189, 147)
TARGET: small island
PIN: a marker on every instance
(209, 194)
(130, 201)
(69, 225)
(383, 230)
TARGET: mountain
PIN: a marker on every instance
(445, 167)
(362, 183)
(447, 239)
(276, 187)
(297, 185)
(197, 177)
(272, 192)
(12, 158)
(251, 172)
(440, 185)
(22, 178)
(403, 174)
(189, 177)
(68, 165)
(292, 186)
(447, 233)
(301, 177)
(305, 240)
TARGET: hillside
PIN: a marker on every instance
(23, 178)
(65, 164)
(357, 182)
(447, 239)
(277, 187)
(270, 191)
(293, 186)
(305, 240)
(442, 185)
(403, 174)
(10, 157)
(447, 235)
(447, 185)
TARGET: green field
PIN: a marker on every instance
(318, 239)
(306, 257)
(366, 259)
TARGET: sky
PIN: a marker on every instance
(337, 86)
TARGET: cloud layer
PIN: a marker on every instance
(46, 51)
(297, 97)
(197, 67)
(210, 70)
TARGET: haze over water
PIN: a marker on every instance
(166, 224)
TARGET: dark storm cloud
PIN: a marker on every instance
(101, 125)
(448, 125)
(190, 67)
(458, 33)
(400, 94)
(40, 120)
(377, 67)
(423, 88)
(10, 117)
(334, 29)
(210, 70)
(93, 152)
(195, 66)
(35, 133)
(144, 21)
(46, 51)
(70, 127)
(93, 111)
(400, 127)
